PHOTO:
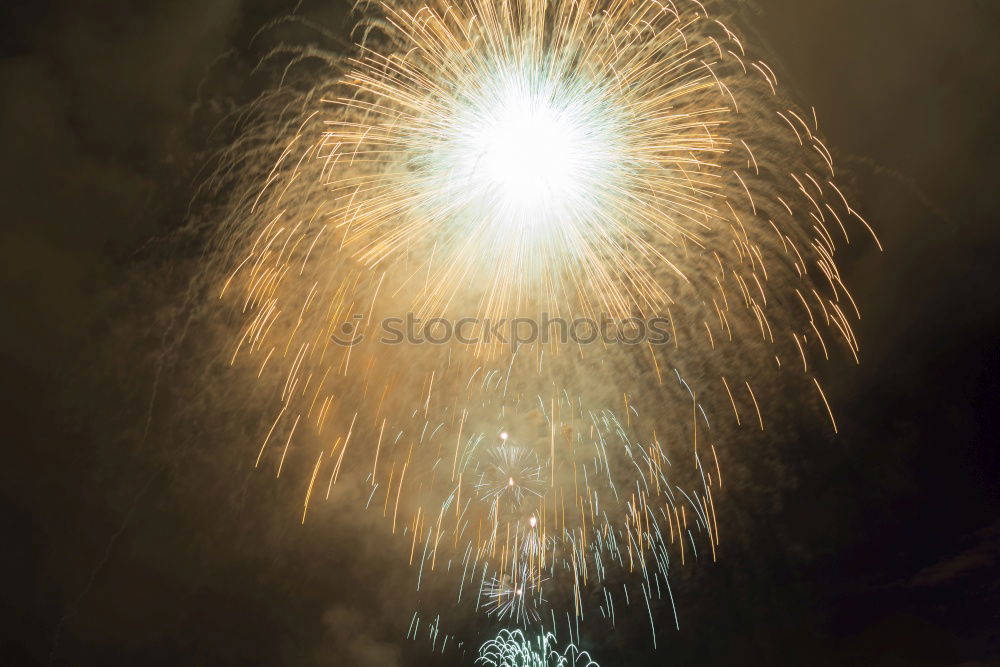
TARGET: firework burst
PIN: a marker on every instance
(490, 160)
(512, 477)
(513, 649)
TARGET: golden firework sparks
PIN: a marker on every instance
(495, 160)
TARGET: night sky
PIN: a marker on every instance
(135, 531)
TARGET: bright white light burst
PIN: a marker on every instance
(528, 155)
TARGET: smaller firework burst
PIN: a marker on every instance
(516, 597)
(511, 478)
(511, 648)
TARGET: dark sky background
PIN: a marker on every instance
(134, 531)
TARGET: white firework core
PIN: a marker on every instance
(528, 154)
